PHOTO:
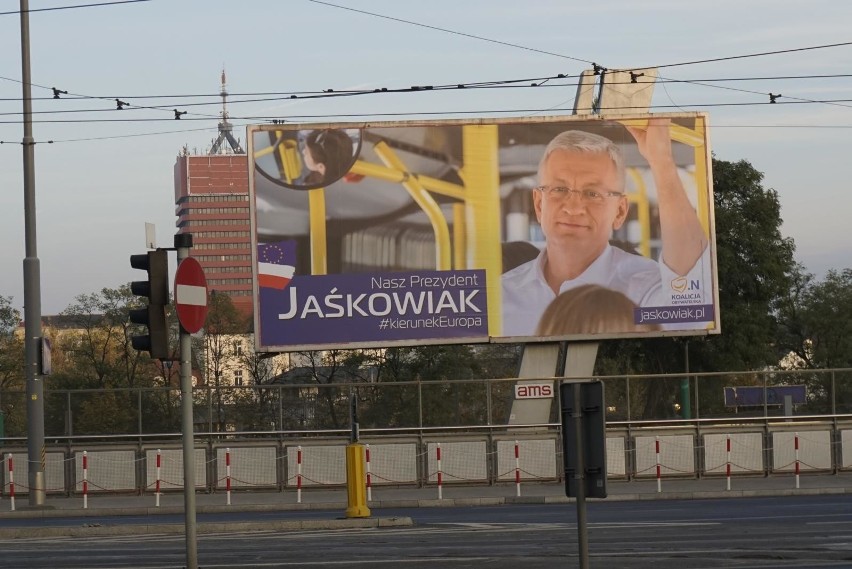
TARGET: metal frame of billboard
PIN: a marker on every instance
(413, 230)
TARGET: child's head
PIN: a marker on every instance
(590, 309)
(328, 152)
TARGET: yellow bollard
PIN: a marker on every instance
(356, 482)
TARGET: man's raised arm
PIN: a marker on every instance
(683, 238)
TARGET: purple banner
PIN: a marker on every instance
(377, 308)
(674, 314)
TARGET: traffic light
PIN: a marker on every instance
(156, 289)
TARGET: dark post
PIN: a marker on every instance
(183, 242)
(32, 284)
(583, 450)
(353, 418)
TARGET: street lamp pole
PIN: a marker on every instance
(32, 287)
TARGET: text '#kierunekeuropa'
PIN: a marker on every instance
(334, 305)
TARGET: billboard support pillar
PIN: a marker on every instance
(568, 359)
(580, 359)
(538, 360)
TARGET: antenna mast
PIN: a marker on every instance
(225, 127)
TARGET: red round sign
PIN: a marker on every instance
(191, 295)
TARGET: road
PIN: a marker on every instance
(783, 532)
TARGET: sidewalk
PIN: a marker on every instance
(102, 505)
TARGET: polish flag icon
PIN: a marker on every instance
(276, 264)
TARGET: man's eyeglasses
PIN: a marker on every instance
(560, 193)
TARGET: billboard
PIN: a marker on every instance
(534, 229)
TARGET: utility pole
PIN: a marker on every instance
(32, 285)
(183, 242)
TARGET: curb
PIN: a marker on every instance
(52, 513)
(104, 530)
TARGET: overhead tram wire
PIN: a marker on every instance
(535, 82)
(160, 133)
(331, 93)
(527, 48)
(744, 56)
(466, 85)
(328, 93)
(448, 31)
(94, 5)
(289, 118)
(366, 116)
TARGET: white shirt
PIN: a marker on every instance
(526, 293)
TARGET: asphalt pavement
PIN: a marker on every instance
(329, 505)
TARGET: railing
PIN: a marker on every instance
(284, 461)
(414, 407)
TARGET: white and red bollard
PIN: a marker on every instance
(11, 468)
(728, 461)
(85, 480)
(517, 470)
(299, 474)
(369, 476)
(659, 470)
(228, 474)
(157, 487)
(440, 474)
(796, 444)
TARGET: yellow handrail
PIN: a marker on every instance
(443, 257)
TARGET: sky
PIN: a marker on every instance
(110, 171)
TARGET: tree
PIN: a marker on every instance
(442, 402)
(219, 352)
(756, 269)
(11, 368)
(257, 404)
(818, 320)
(99, 353)
(329, 371)
(92, 349)
(11, 347)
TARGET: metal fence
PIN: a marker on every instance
(500, 454)
(747, 423)
(421, 406)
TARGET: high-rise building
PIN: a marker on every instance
(211, 199)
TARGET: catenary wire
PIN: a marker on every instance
(454, 32)
(471, 85)
(428, 113)
(305, 95)
(94, 5)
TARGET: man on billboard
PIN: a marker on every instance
(579, 202)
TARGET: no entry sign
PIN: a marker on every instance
(191, 295)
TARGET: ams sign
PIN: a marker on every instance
(533, 390)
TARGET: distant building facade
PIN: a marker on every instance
(211, 199)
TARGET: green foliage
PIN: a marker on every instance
(818, 319)
(214, 353)
(11, 368)
(11, 346)
(443, 403)
(96, 350)
(755, 267)
(105, 413)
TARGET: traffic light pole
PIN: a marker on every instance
(183, 242)
(32, 286)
